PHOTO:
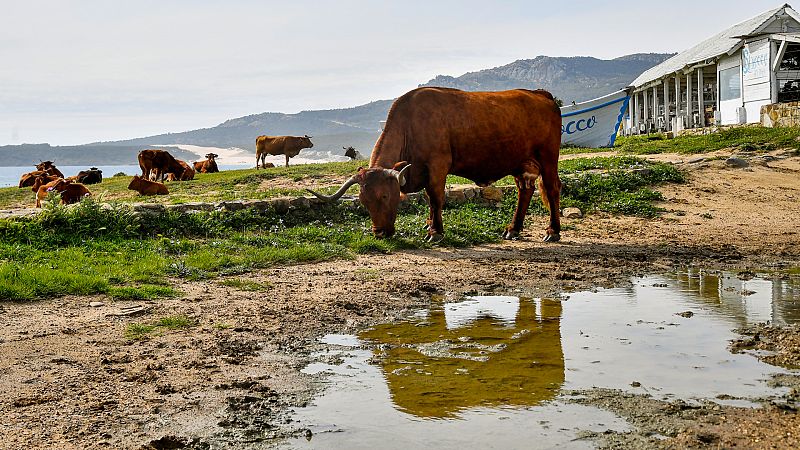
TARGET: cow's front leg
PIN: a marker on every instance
(287, 160)
(435, 223)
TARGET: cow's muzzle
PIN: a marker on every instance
(382, 233)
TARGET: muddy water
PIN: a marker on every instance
(489, 371)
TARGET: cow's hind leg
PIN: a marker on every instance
(526, 183)
(550, 186)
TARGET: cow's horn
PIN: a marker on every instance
(338, 194)
(401, 176)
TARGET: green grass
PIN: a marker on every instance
(210, 187)
(756, 139)
(138, 331)
(246, 285)
(95, 249)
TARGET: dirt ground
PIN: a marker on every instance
(71, 379)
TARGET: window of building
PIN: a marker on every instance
(730, 84)
(788, 75)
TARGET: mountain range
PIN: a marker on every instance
(568, 78)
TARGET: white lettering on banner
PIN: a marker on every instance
(578, 125)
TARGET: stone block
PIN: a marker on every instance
(492, 193)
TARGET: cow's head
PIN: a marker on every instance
(306, 139)
(44, 165)
(211, 156)
(136, 183)
(59, 185)
(380, 194)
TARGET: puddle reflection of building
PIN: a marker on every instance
(493, 351)
(745, 300)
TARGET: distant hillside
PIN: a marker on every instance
(573, 78)
(330, 129)
(76, 155)
(576, 78)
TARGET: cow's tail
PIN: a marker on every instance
(543, 193)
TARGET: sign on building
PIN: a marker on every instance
(593, 123)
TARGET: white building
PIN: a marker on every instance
(723, 80)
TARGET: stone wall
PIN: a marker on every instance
(282, 205)
(781, 115)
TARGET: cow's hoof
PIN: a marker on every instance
(434, 238)
(552, 238)
(510, 234)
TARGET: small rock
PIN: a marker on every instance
(636, 384)
(96, 304)
(736, 162)
(492, 194)
(572, 213)
(686, 314)
(696, 160)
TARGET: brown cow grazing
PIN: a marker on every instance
(185, 175)
(207, 166)
(288, 146)
(48, 166)
(482, 136)
(158, 163)
(146, 187)
(70, 192)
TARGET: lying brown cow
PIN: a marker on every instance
(48, 166)
(91, 176)
(186, 175)
(29, 178)
(158, 163)
(70, 192)
(146, 187)
(42, 179)
(207, 166)
(482, 136)
(288, 146)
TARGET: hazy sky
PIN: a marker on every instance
(75, 72)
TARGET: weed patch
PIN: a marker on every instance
(138, 331)
(745, 139)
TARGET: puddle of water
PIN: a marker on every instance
(489, 371)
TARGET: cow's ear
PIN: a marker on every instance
(399, 166)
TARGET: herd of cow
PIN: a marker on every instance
(429, 133)
(157, 166)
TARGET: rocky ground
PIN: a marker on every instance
(72, 379)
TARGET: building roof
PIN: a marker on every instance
(725, 42)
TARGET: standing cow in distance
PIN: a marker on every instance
(207, 166)
(482, 136)
(288, 146)
(157, 163)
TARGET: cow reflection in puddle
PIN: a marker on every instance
(483, 352)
